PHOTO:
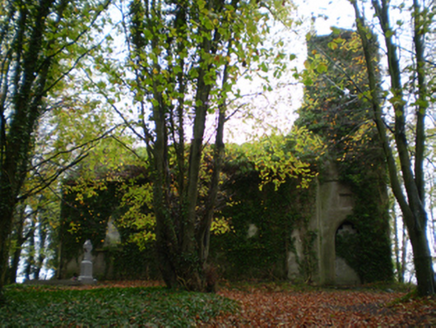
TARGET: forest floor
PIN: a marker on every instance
(243, 304)
(287, 305)
(275, 306)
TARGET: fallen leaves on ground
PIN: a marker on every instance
(111, 284)
(260, 307)
(272, 305)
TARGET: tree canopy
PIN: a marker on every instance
(155, 95)
(41, 42)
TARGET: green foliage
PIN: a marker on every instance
(278, 158)
(186, 59)
(136, 212)
(332, 108)
(133, 307)
(129, 261)
(102, 187)
(368, 252)
(260, 221)
(87, 207)
(274, 207)
(85, 216)
(42, 43)
(308, 262)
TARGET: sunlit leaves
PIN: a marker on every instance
(322, 67)
(278, 158)
(220, 226)
(183, 51)
(336, 91)
(137, 200)
(43, 44)
(333, 45)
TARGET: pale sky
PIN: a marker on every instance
(275, 110)
(339, 13)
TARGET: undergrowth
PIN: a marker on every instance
(39, 306)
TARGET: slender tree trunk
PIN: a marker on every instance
(404, 254)
(29, 265)
(412, 206)
(7, 213)
(203, 235)
(41, 250)
(19, 241)
(14, 265)
(423, 261)
(432, 208)
(396, 245)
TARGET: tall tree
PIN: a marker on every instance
(408, 185)
(39, 47)
(186, 56)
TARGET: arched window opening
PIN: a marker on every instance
(346, 248)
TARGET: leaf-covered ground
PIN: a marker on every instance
(145, 304)
(273, 306)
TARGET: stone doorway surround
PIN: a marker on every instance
(334, 203)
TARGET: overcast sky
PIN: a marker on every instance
(276, 110)
(338, 13)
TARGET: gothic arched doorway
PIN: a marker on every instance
(346, 252)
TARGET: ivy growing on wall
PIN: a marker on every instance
(261, 199)
(335, 76)
(261, 223)
(369, 251)
(85, 216)
(87, 208)
(251, 231)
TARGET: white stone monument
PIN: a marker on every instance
(86, 266)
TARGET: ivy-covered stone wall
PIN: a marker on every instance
(266, 233)
(335, 108)
(261, 224)
(88, 209)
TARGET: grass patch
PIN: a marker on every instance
(104, 307)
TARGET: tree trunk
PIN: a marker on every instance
(14, 265)
(422, 260)
(41, 250)
(16, 145)
(396, 246)
(29, 267)
(404, 254)
(412, 206)
(19, 240)
(27, 77)
(7, 205)
(178, 81)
